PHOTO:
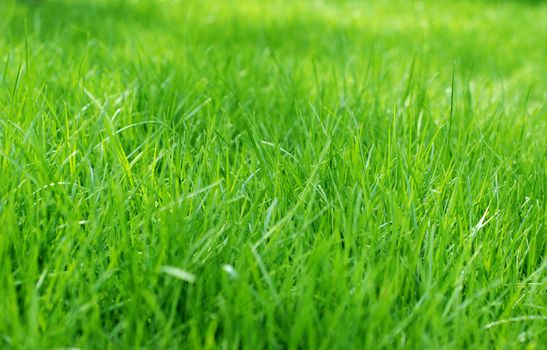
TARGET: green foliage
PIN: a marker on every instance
(284, 174)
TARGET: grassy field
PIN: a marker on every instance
(273, 174)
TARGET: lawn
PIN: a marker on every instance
(273, 174)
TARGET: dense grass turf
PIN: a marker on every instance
(280, 174)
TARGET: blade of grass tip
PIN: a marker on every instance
(82, 61)
(5, 73)
(409, 80)
(26, 44)
(451, 116)
(16, 83)
(248, 128)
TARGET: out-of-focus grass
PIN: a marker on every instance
(283, 174)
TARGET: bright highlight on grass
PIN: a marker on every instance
(273, 174)
(178, 273)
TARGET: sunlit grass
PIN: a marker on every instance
(284, 174)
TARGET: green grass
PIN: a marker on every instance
(273, 174)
